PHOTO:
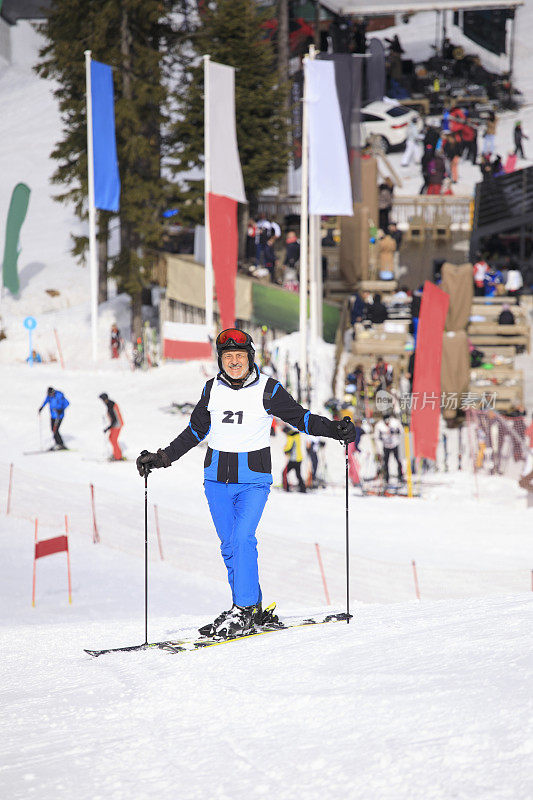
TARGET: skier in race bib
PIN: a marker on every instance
(235, 414)
(58, 403)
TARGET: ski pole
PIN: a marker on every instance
(146, 559)
(347, 538)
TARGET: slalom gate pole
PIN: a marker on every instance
(59, 350)
(68, 562)
(146, 559)
(8, 507)
(347, 536)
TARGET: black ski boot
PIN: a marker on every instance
(240, 621)
(209, 630)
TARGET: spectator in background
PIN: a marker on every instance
(357, 308)
(115, 341)
(396, 234)
(519, 137)
(386, 247)
(493, 279)
(329, 239)
(270, 258)
(514, 282)
(356, 379)
(489, 139)
(411, 144)
(377, 312)
(497, 167)
(469, 137)
(381, 374)
(264, 230)
(506, 316)
(480, 270)
(437, 173)
(388, 433)
(486, 168)
(292, 250)
(250, 240)
(386, 190)
(427, 158)
(35, 357)
(293, 451)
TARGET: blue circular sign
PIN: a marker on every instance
(30, 323)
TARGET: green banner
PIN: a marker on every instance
(15, 217)
(280, 309)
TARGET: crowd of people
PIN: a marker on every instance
(489, 281)
(267, 256)
(439, 150)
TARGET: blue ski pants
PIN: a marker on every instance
(236, 509)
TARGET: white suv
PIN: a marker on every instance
(388, 120)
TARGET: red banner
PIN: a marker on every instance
(425, 413)
(224, 252)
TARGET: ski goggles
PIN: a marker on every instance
(233, 336)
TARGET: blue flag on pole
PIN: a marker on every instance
(106, 177)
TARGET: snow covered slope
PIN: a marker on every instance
(412, 700)
(408, 702)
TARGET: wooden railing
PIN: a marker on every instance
(459, 209)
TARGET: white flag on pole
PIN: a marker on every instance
(225, 167)
(330, 190)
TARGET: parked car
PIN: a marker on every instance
(388, 120)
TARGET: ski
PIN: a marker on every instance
(50, 450)
(182, 645)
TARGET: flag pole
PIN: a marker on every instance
(209, 312)
(304, 215)
(314, 255)
(93, 265)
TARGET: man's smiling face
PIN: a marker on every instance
(235, 364)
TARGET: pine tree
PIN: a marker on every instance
(136, 38)
(231, 32)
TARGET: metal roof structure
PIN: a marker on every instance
(373, 8)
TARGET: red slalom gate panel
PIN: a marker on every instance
(49, 546)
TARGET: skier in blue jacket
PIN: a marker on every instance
(235, 413)
(57, 402)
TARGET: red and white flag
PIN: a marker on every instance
(224, 187)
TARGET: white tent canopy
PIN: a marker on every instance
(385, 7)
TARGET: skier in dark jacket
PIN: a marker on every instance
(519, 137)
(235, 414)
(115, 425)
(58, 403)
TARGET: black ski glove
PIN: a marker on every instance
(146, 462)
(342, 429)
(108, 429)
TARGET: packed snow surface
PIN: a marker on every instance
(424, 700)
(413, 700)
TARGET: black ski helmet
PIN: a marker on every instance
(103, 397)
(235, 339)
